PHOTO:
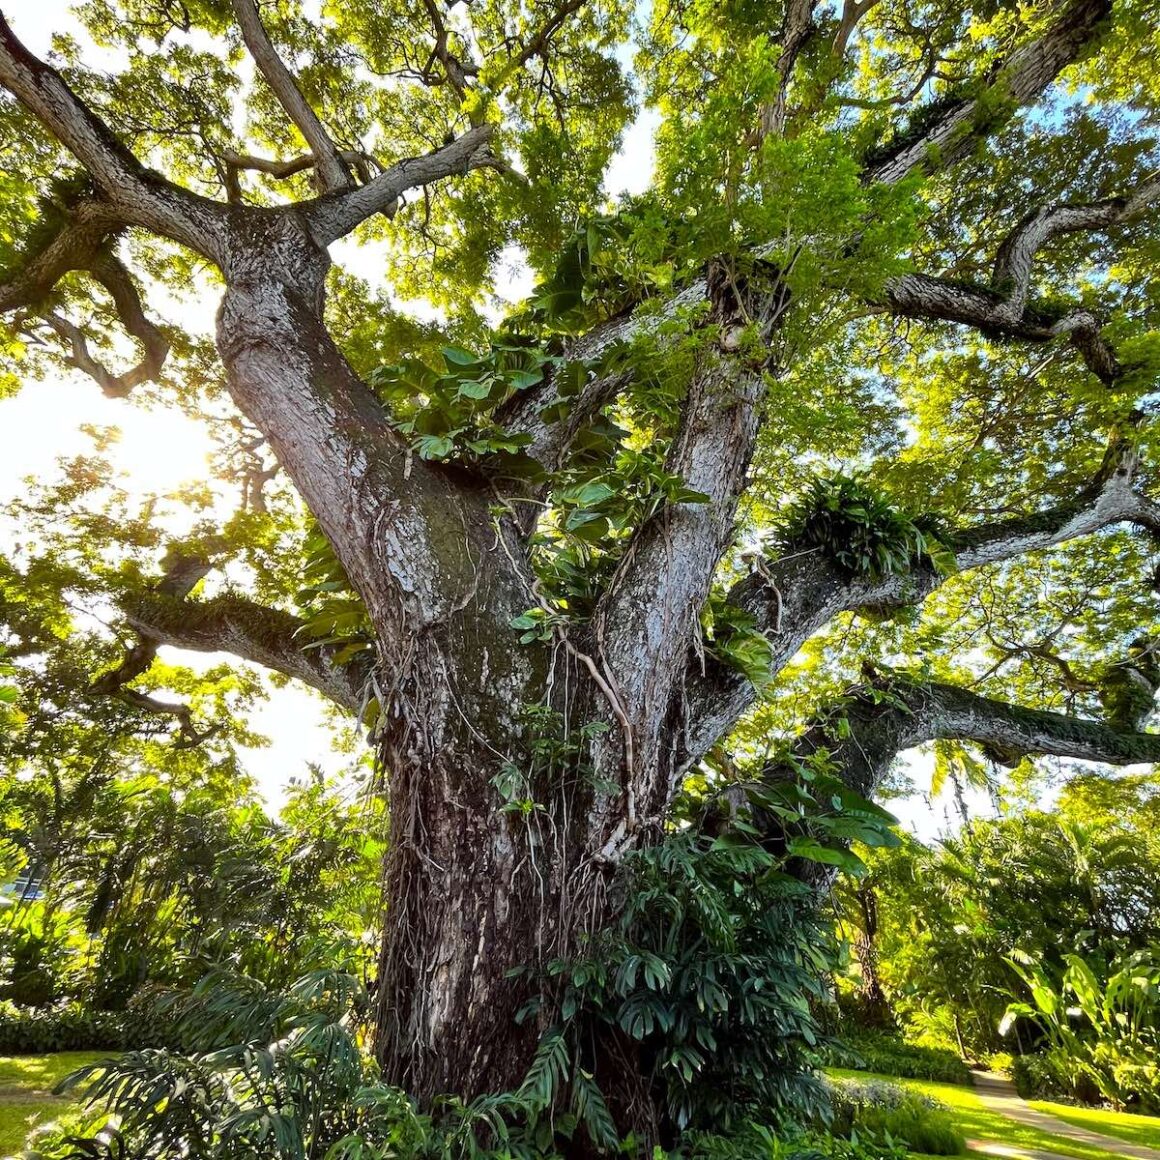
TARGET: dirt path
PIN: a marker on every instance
(998, 1095)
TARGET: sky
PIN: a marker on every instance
(160, 450)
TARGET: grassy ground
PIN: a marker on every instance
(1135, 1129)
(26, 1083)
(979, 1123)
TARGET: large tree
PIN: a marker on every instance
(914, 240)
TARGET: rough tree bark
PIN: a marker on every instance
(474, 888)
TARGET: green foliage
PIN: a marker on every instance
(758, 1142)
(714, 970)
(816, 817)
(1083, 880)
(332, 612)
(143, 882)
(862, 531)
(1102, 1021)
(732, 637)
(449, 413)
(1036, 1077)
(278, 1074)
(888, 1054)
(76, 1027)
(888, 1111)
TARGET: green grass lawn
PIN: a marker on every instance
(26, 1083)
(1144, 1130)
(979, 1123)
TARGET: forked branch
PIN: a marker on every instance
(1004, 307)
(332, 170)
(792, 597)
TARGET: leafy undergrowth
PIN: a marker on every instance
(26, 1083)
(1144, 1130)
(979, 1123)
(886, 1053)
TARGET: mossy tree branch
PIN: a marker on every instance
(891, 713)
(791, 598)
(1004, 307)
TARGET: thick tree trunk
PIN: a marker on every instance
(466, 897)
(464, 908)
(487, 875)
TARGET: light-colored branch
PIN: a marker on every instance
(1021, 78)
(853, 12)
(332, 216)
(331, 169)
(137, 195)
(797, 27)
(650, 612)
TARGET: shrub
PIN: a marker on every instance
(1102, 1021)
(889, 1054)
(756, 1142)
(886, 1111)
(74, 1027)
(1036, 1077)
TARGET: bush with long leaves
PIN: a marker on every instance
(271, 1075)
(1102, 1024)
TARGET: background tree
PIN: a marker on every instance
(1043, 886)
(563, 556)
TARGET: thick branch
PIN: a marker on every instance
(650, 612)
(795, 596)
(139, 196)
(1013, 82)
(1003, 308)
(454, 69)
(877, 729)
(87, 228)
(332, 216)
(853, 12)
(265, 636)
(332, 171)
